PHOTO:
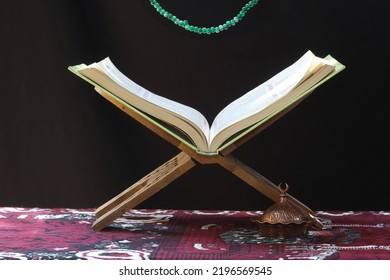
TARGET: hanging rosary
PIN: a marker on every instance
(204, 30)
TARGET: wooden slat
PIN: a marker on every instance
(263, 185)
(143, 189)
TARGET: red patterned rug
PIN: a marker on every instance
(172, 234)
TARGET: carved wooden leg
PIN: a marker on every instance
(262, 184)
(141, 190)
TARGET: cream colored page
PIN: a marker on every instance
(262, 96)
(187, 112)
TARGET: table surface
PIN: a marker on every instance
(61, 233)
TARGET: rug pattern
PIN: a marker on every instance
(36, 233)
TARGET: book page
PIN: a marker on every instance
(178, 109)
(262, 96)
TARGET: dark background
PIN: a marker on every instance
(62, 145)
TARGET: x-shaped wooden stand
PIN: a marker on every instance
(180, 164)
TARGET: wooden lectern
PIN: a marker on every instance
(181, 163)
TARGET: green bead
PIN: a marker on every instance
(183, 23)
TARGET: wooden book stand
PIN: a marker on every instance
(181, 163)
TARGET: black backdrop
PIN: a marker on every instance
(62, 145)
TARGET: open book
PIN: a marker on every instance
(235, 120)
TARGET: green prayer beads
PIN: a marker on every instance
(204, 30)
